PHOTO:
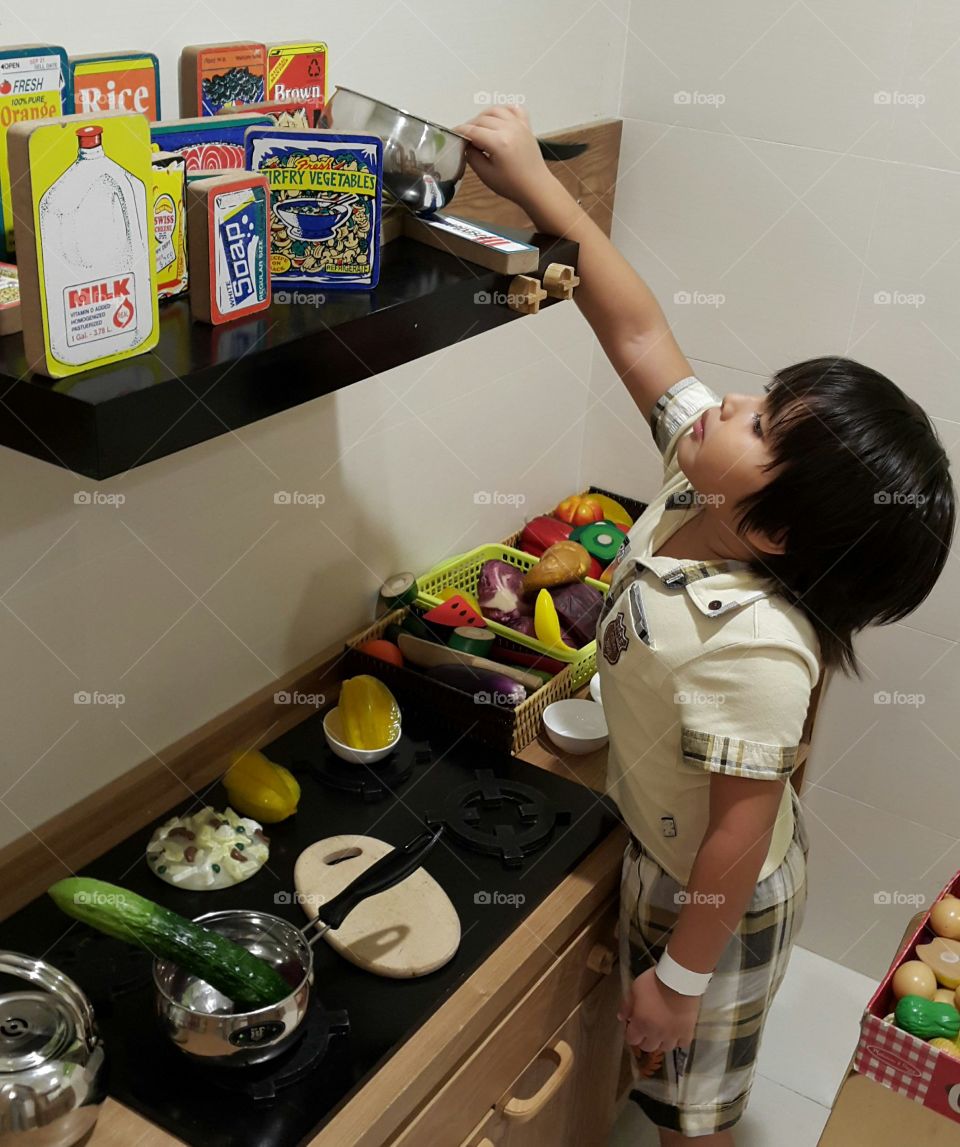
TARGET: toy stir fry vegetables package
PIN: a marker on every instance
(325, 199)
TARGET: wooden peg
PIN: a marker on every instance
(559, 280)
(525, 294)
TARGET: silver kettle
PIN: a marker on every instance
(51, 1058)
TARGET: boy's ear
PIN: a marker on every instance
(768, 543)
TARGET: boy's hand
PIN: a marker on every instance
(657, 1017)
(505, 154)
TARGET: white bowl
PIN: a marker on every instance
(595, 688)
(333, 731)
(578, 726)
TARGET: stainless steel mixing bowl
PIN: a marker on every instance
(422, 162)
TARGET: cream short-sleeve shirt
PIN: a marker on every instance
(702, 670)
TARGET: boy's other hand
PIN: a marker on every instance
(658, 1018)
(504, 153)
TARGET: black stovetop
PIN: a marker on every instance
(149, 1075)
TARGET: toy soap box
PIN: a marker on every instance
(325, 198)
(32, 87)
(119, 81)
(902, 1062)
(297, 72)
(227, 237)
(170, 223)
(214, 76)
(82, 207)
(208, 143)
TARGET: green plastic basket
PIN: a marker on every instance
(463, 572)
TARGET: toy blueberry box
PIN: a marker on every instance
(227, 237)
(208, 144)
(905, 1063)
(325, 200)
(32, 87)
(82, 207)
(119, 81)
(215, 76)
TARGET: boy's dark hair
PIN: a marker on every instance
(863, 497)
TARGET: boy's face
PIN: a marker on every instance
(724, 455)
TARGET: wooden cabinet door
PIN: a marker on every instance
(567, 1095)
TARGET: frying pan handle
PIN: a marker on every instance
(385, 873)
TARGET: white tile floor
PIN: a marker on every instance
(807, 1043)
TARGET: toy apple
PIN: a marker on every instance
(945, 918)
(914, 978)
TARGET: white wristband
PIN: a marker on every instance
(681, 979)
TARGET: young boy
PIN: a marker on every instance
(786, 523)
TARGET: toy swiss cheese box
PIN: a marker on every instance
(170, 223)
(227, 238)
(83, 214)
(32, 79)
(325, 201)
(120, 81)
(208, 144)
(215, 76)
(297, 72)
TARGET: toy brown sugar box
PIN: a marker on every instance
(227, 245)
(215, 76)
(83, 218)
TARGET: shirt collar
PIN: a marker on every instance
(715, 587)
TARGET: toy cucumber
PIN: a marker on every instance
(247, 980)
(926, 1018)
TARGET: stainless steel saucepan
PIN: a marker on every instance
(201, 1021)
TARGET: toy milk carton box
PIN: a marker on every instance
(227, 236)
(215, 76)
(82, 208)
(208, 144)
(297, 72)
(32, 79)
(170, 223)
(120, 81)
(325, 205)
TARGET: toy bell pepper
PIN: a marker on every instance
(261, 789)
(369, 714)
(927, 1018)
(539, 534)
(579, 509)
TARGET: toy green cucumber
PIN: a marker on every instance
(247, 980)
(927, 1018)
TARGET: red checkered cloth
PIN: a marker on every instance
(900, 1061)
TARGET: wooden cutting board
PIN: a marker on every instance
(405, 931)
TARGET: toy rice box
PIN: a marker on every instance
(32, 79)
(208, 144)
(82, 206)
(215, 76)
(325, 200)
(227, 238)
(170, 223)
(120, 81)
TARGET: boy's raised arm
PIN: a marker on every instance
(618, 305)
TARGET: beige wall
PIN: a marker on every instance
(800, 159)
(199, 588)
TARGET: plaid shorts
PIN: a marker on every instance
(704, 1088)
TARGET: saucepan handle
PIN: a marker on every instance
(384, 873)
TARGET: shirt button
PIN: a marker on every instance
(715, 604)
